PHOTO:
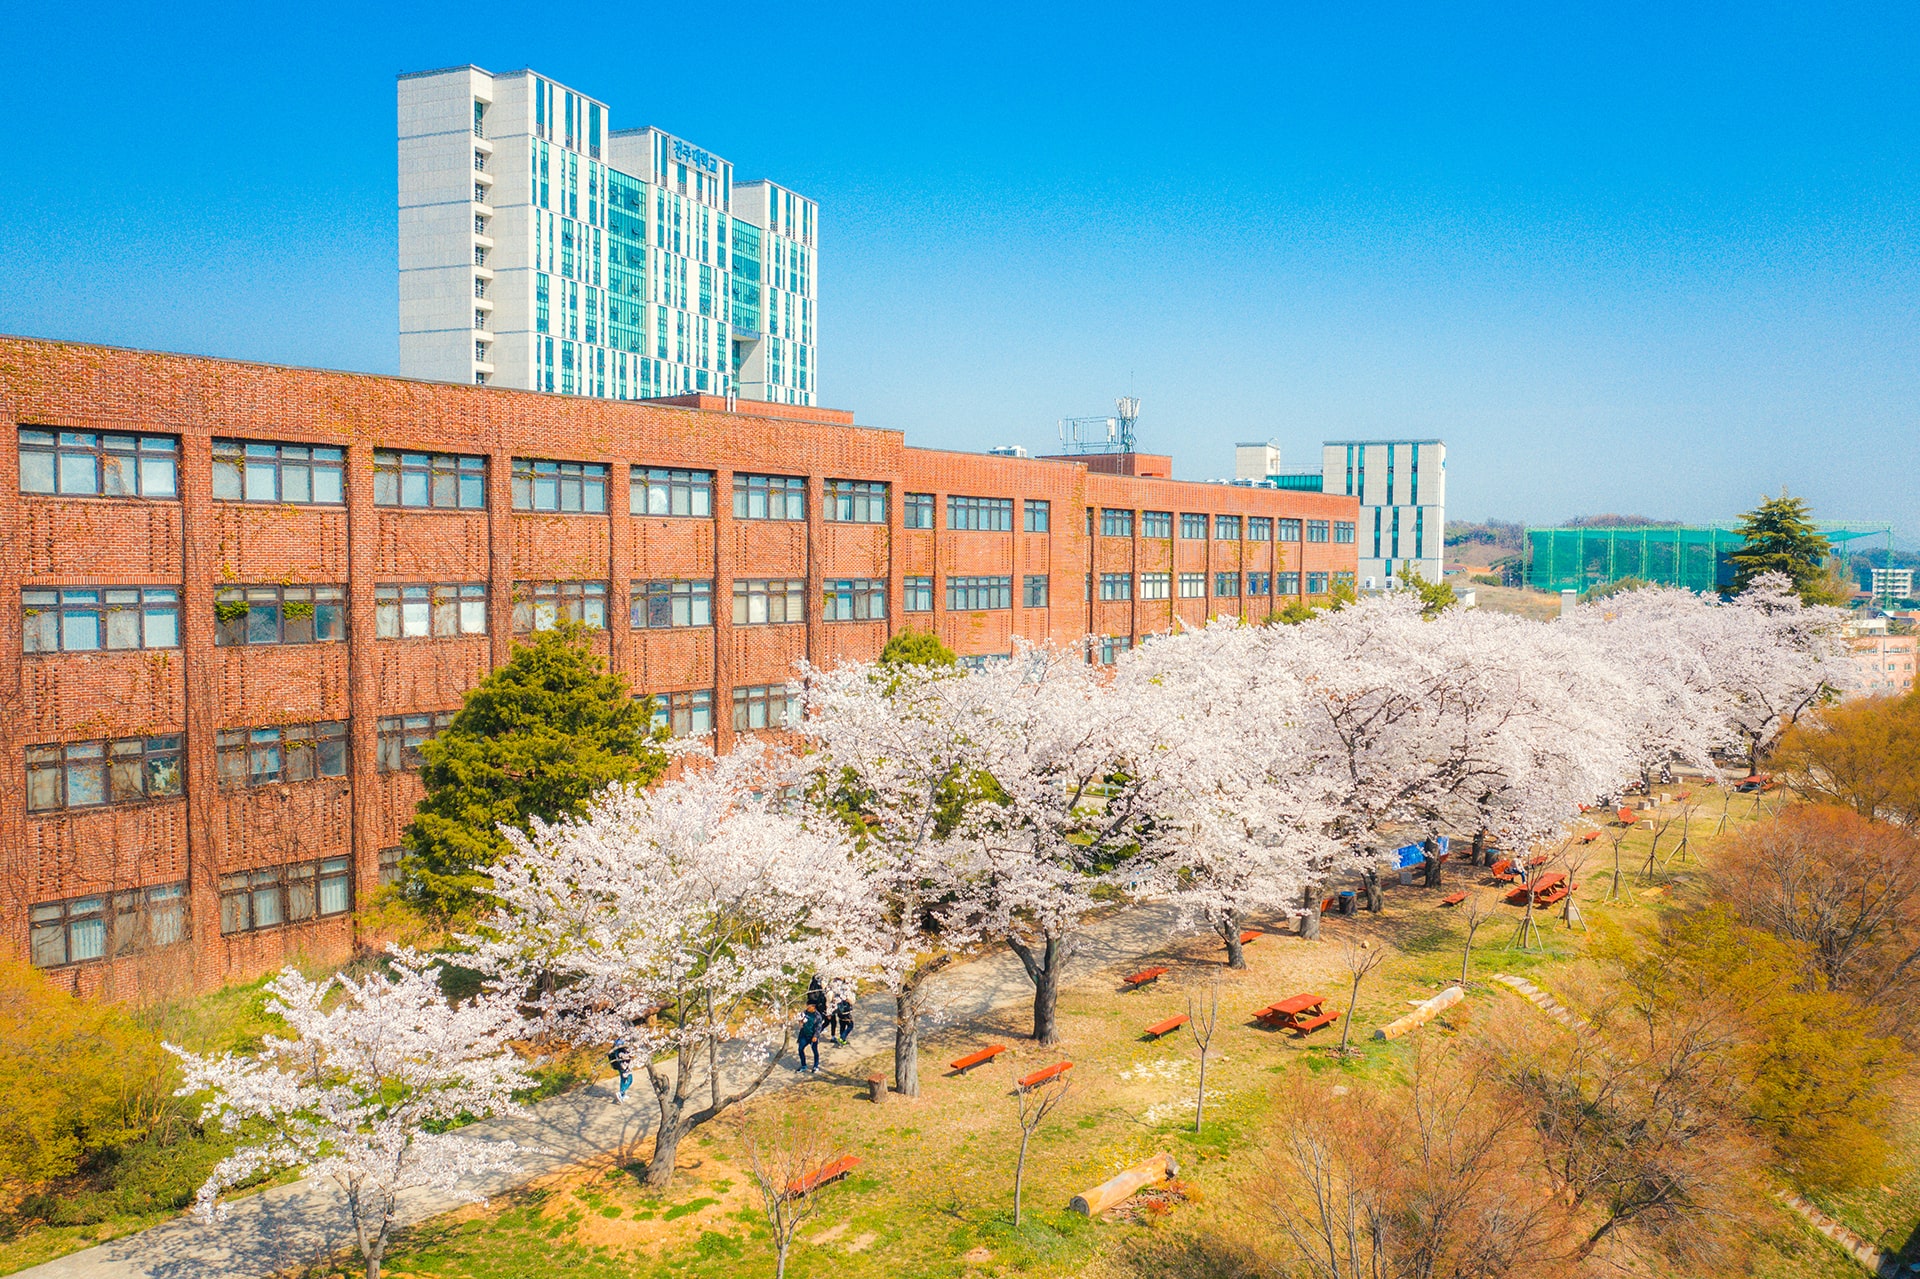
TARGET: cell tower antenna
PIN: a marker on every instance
(1103, 434)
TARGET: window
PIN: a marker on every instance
(279, 753)
(687, 714)
(1193, 527)
(435, 480)
(393, 869)
(1259, 583)
(1193, 586)
(1259, 528)
(972, 594)
(762, 706)
(1226, 585)
(659, 605)
(1109, 647)
(1037, 516)
(857, 599)
(1116, 586)
(567, 487)
(1033, 591)
(125, 770)
(769, 497)
(981, 514)
(84, 928)
(656, 491)
(398, 739)
(1226, 528)
(1289, 530)
(1289, 584)
(919, 510)
(254, 899)
(1115, 523)
(1156, 524)
(415, 612)
(1156, 586)
(84, 464)
(1342, 531)
(1344, 579)
(296, 473)
(541, 606)
(856, 502)
(761, 601)
(109, 617)
(1316, 530)
(918, 595)
(279, 615)
(1316, 583)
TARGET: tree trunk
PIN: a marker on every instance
(1310, 925)
(1230, 933)
(906, 1042)
(1020, 1174)
(1430, 872)
(1044, 972)
(1200, 1093)
(1371, 879)
(676, 1120)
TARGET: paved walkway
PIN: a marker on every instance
(290, 1225)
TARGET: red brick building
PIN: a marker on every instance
(237, 597)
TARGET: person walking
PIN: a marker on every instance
(810, 1026)
(622, 1060)
(817, 996)
(842, 1026)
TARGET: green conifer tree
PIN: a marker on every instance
(536, 738)
(916, 648)
(1781, 539)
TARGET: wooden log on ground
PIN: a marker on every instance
(1111, 1193)
(1422, 1015)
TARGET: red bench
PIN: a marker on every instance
(1160, 1028)
(829, 1172)
(1252, 934)
(1145, 975)
(1315, 1023)
(971, 1060)
(1453, 899)
(1045, 1073)
(1590, 836)
(1289, 1013)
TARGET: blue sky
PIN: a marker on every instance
(1636, 258)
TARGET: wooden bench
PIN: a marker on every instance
(1453, 899)
(1288, 1013)
(1312, 1024)
(1590, 836)
(1044, 1074)
(1326, 907)
(1251, 935)
(971, 1060)
(828, 1172)
(1145, 975)
(1503, 871)
(1160, 1028)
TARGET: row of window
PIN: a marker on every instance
(1114, 522)
(1159, 586)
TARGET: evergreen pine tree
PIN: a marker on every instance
(536, 738)
(916, 648)
(1781, 539)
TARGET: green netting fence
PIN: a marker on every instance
(1692, 556)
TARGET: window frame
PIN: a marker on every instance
(1226, 528)
(1194, 526)
(1115, 587)
(747, 697)
(54, 766)
(1221, 580)
(673, 484)
(395, 469)
(1156, 586)
(104, 456)
(853, 599)
(1287, 582)
(781, 498)
(45, 619)
(855, 502)
(325, 615)
(1157, 524)
(238, 753)
(1259, 528)
(670, 597)
(394, 602)
(1290, 529)
(996, 590)
(916, 595)
(1317, 530)
(581, 596)
(1259, 585)
(1116, 522)
(1034, 590)
(679, 712)
(233, 458)
(248, 887)
(587, 480)
(1317, 583)
(791, 592)
(1344, 532)
(916, 511)
(1186, 583)
(397, 739)
(125, 922)
(967, 514)
(1036, 515)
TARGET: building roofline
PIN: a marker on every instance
(465, 66)
(1386, 440)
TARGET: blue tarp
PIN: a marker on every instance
(1410, 854)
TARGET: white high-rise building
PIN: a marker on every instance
(1402, 487)
(541, 249)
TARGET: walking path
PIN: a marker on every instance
(286, 1226)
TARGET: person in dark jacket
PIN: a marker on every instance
(810, 1025)
(842, 1012)
(621, 1059)
(817, 997)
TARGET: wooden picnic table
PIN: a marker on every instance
(1300, 1013)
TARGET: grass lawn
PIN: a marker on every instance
(933, 1192)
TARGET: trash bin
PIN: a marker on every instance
(1346, 901)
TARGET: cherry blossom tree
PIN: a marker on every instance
(688, 917)
(897, 758)
(371, 1068)
(1774, 659)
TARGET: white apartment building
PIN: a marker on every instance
(1402, 487)
(542, 249)
(1893, 583)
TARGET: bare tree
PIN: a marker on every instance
(1202, 1020)
(1476, 910)
(1575, 860)
(786, 1163)
(1661, 822)
(1036, 1103)
(1616, 835)
(1360, 959)
(1689, 804)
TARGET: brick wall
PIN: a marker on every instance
(198, 545)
